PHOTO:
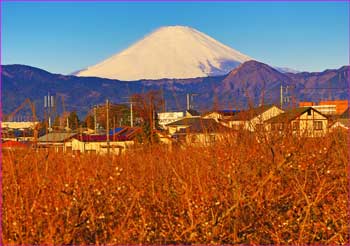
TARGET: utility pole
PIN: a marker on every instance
(281, 96)
(131, 116)
(107, 125)
(188, 101)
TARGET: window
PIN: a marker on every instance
(318, 125)
(296, 125)
(309, 112)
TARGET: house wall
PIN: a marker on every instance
(237, 124)
(203, 139)
(260, 119)
(116, 147)
(173, 129)
(307, 124)
(169, 117)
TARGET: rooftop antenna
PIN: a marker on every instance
(48, 107)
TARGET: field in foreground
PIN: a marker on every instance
(280, 190)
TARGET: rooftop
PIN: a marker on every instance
(291, 114)
(251, 113)
(198, 125)
(57, 136)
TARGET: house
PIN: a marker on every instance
(197, 131)
(304, 121)
(164, 137)
(165, 118)
(98, 144)
(183, 124)
(331, 107)
(59, 141)
(253, 119)
(14, 134)
(122, 139)
(12, 145)
(19, 124)
(342, 122)
(169, 117)
(220, 115)
(192, 113)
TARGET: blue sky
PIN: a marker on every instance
(63, 37)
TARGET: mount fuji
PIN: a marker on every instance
(173, 52)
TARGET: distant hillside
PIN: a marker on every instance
(250, 83)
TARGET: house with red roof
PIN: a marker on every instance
(118, 141)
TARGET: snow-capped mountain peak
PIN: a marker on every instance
(169, 52)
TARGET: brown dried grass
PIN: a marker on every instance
(277, 191)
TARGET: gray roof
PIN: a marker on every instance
(56, 136)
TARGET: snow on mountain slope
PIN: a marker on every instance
(169, 52)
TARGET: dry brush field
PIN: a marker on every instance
(239, 190)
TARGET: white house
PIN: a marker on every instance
(253, 119)
(83, 145)
(169, 117)
(304, 121)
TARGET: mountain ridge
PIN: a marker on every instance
(244, 85)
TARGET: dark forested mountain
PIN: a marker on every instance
(251, 83)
